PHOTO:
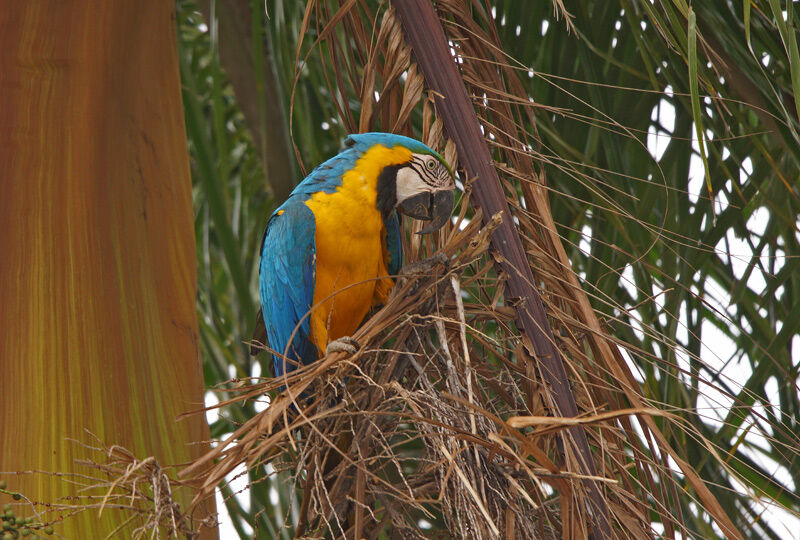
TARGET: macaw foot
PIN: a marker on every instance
(421, 268)
(343, 344)
(425, 266)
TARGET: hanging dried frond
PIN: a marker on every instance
(113, 479)
(144, 490)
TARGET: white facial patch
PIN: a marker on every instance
(424, 174)
(409, 183)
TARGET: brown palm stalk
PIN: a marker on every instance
(427, 40)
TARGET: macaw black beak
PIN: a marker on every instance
(435, 207)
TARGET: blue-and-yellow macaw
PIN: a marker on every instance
(330, 249)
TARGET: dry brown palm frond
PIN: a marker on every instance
(144, 489)
(141, 493)
(355, 438)
(446, 415)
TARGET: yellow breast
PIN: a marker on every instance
(351, 274)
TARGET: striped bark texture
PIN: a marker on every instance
(98, 328)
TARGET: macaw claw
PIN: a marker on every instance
(344, 344)
(425, 266)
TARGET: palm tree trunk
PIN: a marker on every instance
(98, 327)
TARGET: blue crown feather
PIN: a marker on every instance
(364, 141)
(328, 176)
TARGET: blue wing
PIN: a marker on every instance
(393, 244)
(286, 283)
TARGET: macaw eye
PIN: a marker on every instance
(431, 164)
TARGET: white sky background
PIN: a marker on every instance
(716, 350)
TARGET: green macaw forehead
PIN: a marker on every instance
(441, 160)
(364, 141)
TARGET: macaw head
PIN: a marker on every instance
(424, 188)
(420, 186)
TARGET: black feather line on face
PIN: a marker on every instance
(424, 173)
(387, 190)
